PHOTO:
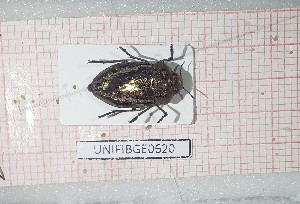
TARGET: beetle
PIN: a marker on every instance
(137, 84)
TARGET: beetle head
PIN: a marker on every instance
(177, 83)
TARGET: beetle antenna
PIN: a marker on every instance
(176, 68)
(180, 72)
(188, 92)
(181, 68)
(202, 93)
(189, 66)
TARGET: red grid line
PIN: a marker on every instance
(272, 107)
(206, 91)
(239, 97)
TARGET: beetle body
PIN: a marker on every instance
(136, 84)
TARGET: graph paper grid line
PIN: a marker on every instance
(248, 113)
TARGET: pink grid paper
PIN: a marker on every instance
(246, 64)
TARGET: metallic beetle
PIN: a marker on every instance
(137, 84)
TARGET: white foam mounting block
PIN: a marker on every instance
(78, 106)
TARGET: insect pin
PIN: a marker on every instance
(136, 84)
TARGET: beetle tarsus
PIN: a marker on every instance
(105, 61)
(171, 58)
(165, 114)
(131, 56)
(113, 112)
(139, 114)
(172, 52)
(103, 115)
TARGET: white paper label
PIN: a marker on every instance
(141, 149)
(78, 106)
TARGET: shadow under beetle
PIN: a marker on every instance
(137, 84)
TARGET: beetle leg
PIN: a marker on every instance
(114, 112)
(105, 61)
(176, 112)
(139, 114)
(131, 56)
(165, 114)
(150, 115)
